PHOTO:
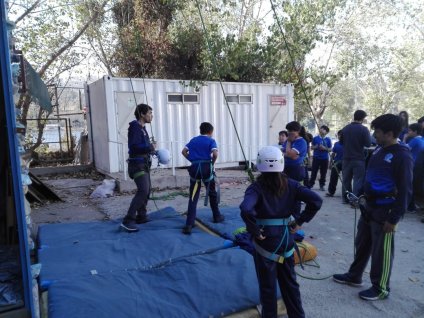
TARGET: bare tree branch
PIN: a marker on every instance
(28, 11)
(56, 54)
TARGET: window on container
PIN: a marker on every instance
(191, 98)
(245, 99)
(175, 98)
(232, 98)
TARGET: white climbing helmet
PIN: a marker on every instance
(164, 156)
(270, 159)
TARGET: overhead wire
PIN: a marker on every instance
(138, 50)
(215, 66)
(293, 62)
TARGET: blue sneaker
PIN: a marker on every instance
(345, 279)
(373, 294)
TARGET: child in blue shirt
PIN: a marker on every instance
(202, 152)
(321, 146)
(336, 167)
(416, 144)
(295, 153)
(282, 140)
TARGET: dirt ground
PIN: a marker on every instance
(331, 231)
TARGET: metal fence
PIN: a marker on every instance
(63, 128)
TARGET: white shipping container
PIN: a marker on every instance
(259, 111)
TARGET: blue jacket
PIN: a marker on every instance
(138, 142)
(388, 182)
(338, 150)
(258, 203)
(416, 145)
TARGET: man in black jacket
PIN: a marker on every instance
(354, 138)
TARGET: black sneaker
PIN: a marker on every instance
(129, 227)
(373, 294)
(187, 229)
(219, 219)
(140, 219)
(345, 279)
(328, 194)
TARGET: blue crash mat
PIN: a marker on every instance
(232, 221)
(63, 234)
(210, 285)
(78, 250)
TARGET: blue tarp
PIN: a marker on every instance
(211, 285)
(232, 221)
(95, 270)
(102, 247)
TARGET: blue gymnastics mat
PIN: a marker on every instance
(101, 247)
(232, 221)
(211, 285)
(95, 270)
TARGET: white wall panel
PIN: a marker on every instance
(174, 124)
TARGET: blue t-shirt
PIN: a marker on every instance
(282, 146)
(201, 147)
(338, 150)
(416, 145)
(299, 145)
(318, 153)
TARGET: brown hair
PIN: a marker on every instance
(273, 182)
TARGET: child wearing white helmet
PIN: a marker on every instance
(267, 209)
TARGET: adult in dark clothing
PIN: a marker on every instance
(321, 145)
(388, 188)
(354, 138)
(140, 150)
(336, 167)
(202, 152)
(405, 124)
(421, 122)
(267, 210)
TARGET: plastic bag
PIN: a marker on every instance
(104, 190)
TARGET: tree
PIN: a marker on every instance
(381, 51)
(286, 54)
(48, 33)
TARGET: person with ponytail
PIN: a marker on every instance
(268, 209)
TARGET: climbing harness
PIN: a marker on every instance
(205, 179)
(274, 256)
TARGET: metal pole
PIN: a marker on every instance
(172, 158)
(7, 104)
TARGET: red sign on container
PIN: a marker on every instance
(278, 100)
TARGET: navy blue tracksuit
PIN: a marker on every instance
(388, 188)
(259, 204)
(139, 162)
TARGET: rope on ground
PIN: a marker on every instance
(315, 264)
